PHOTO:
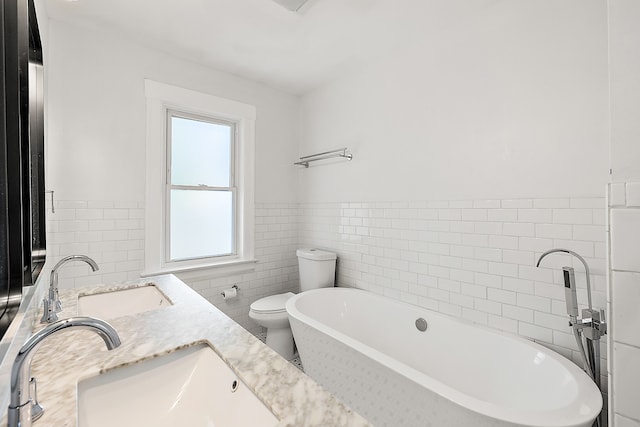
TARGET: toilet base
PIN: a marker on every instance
(281, 340)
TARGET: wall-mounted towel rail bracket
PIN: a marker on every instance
(341, 152)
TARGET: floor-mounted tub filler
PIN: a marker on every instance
(402, 365)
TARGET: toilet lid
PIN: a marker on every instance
(271, 304)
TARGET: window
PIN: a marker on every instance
(199, 201)
(200, 197)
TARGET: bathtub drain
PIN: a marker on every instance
(421, 324)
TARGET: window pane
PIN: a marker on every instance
(201, 224)
(200, 152)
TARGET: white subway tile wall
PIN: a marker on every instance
(471, 259)
(624, 217)
(633, 194)
(112, 233)
(625, 223)
(617, 194)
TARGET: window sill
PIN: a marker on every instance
(226, 268)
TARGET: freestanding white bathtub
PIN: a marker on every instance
(367, 350)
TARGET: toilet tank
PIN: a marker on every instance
(317, 268)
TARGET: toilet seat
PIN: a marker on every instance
(273, 304)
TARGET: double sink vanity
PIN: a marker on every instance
(181, 362)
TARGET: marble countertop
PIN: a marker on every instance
(71, 356)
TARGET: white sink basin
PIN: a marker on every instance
(189, 387)
(109, 305)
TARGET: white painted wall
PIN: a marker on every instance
(624, 213)
(97, 116)
(506, 100)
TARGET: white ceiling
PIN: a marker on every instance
(260, 39)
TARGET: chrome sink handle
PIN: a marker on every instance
(52, 305)
(21, 403)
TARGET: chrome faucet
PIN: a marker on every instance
(592, 325)
(52, 305)
(21, 406)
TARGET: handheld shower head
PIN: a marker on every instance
(570, 296)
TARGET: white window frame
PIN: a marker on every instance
(162, 98)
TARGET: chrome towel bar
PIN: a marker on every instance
(340, 152)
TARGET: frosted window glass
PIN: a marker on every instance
(200, 153)
(201, 224)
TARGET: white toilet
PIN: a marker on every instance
(317, 270)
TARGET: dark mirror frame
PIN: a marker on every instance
(34, 160)
(22, 214)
